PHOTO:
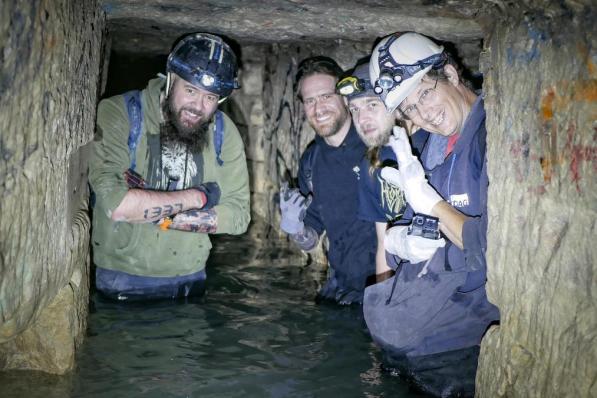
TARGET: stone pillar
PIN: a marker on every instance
(540, 72)
(49, 67)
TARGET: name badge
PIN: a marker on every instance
(459, 200)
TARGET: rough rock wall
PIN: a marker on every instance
(541, 96)
(49, 67)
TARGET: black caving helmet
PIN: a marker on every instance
(206, 61)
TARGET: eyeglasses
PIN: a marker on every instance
(427, 97)
(323, 99)
(352, 85)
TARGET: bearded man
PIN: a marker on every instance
(327, 197)
(167, 169)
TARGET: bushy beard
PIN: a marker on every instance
(172, 131)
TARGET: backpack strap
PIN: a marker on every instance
(219, 136)
(134, 108)
(310, 157)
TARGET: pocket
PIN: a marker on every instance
(126, 238)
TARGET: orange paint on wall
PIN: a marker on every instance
(584, 53)
(547, 104)
(568, 93)
(585, 91)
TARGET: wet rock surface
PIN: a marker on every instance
(49, 65)
(541, 97)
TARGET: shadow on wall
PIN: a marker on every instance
(131, 71)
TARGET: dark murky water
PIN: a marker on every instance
(256, 333)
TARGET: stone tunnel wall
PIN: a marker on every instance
(49, 67)
(541, 96)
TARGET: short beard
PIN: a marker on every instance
(377, 141)
(173, 132)
(334, 128)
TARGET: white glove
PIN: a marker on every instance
(410, 177)
(398, 141)
(409, 247)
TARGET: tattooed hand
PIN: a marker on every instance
(201, 221)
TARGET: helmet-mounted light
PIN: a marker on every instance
(207, 80)
(352, 85)
(349, 85)
(392, 73)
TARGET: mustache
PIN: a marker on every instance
(195, 112)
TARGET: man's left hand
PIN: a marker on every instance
(414, 249)
(211, 191)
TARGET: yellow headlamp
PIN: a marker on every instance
(349, 85)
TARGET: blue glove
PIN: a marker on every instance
(293, 206)
(212, 193)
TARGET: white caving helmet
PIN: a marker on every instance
(399, 62)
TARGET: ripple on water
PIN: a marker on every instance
(256, 333)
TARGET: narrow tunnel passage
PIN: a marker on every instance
(541, 163)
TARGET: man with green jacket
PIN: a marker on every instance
(168, 169)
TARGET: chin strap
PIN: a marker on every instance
(168, 83)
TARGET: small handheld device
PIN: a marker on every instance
(424, 226)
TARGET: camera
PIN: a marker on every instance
(424, 226)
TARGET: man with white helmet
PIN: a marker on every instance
(167, 169)
(437, 302)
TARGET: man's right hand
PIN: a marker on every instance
(293, 206)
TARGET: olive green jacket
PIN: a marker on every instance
(144, 249)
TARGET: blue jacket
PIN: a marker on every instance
(446, 309)
(335, 175)
(461, 179)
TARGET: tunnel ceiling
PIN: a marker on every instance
(145, 26)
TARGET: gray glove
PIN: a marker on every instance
(293, 206)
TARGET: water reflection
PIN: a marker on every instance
(256, 333)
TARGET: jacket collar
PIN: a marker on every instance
(352, 138)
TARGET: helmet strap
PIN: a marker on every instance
(168, 83)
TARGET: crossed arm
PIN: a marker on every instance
(140, 206)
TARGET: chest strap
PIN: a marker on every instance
(134, 109)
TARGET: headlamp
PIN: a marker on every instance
(392, 73)
(352, 85)
(207, 80)
(349, 85)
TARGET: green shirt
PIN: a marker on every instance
(144, 249)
